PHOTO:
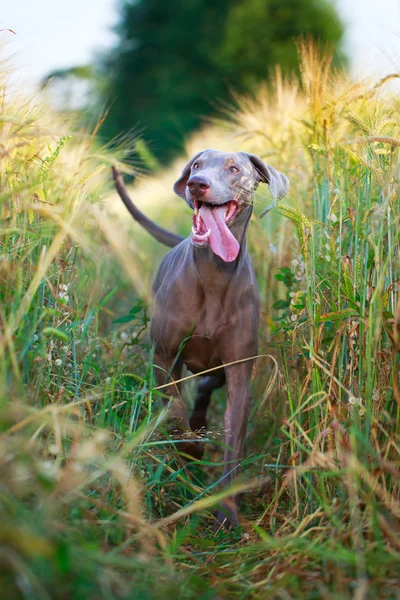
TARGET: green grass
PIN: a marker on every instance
(95, 501)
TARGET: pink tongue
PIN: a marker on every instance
(222, 241)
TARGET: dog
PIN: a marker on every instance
(206, 301)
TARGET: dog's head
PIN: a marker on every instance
(219, 186)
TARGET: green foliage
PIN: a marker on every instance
(175, 64)
(95, 501)
(259, 35)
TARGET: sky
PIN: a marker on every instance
(54, 34)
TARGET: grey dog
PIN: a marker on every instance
(206, 301)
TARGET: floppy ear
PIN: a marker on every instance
(180, 184)
(277, 182)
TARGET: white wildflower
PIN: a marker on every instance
(299, 268)
(63, 292)
(53, 449)
(354, 401)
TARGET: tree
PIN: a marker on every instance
(177, 61)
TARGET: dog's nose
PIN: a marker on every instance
(198, 185)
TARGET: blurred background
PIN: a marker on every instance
(162, 70)
(91, 490)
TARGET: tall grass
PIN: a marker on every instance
(95, 501)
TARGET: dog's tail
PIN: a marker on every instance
(161, 235)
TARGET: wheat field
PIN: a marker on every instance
(95, 500)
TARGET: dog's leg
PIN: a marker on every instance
(166, 373)
(235, 422)
(207, 385)
(177, 419)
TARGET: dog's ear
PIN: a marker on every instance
(277, 182)
(180, 184)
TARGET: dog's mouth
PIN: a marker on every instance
(210, 227)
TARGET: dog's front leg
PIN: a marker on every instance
(235, 421)
(167, 372)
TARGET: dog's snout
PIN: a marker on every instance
(198, 186)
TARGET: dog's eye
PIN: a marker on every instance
(234, 169)
(196, 166)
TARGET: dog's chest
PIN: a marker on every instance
(198, 303)
(211, 316)
(200, 353)
(189, 320)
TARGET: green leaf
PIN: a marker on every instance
(339, 315)
(125, 319)
(106, 299)
(56, 333)
(281, 304)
